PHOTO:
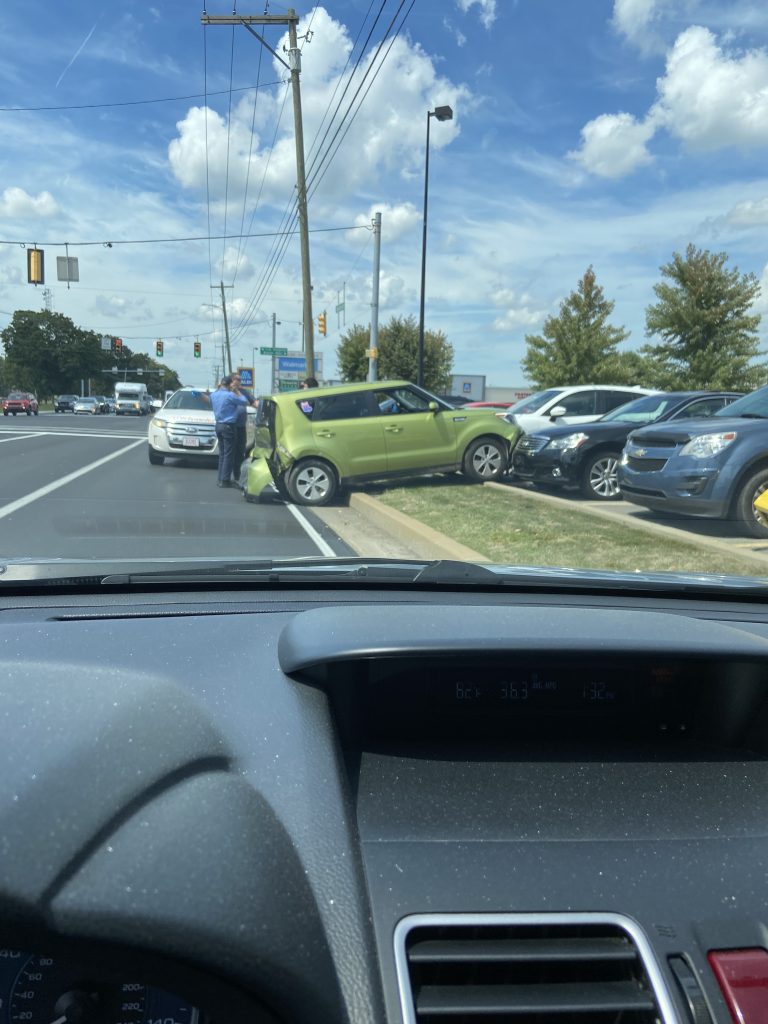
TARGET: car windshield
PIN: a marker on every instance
(262, 243)
(641, 410)
(754, 405)
(188, 400)
(534, 402)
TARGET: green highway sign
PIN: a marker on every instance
(340, 307)
(267, 351)
(288, 385)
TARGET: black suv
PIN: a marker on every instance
(65, 403)
(586, 455)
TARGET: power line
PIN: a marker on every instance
(190, 238)
(139, 103)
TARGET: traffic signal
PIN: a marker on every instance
(118, 346)
(158, 348)
(35, 266)
(198, 349)
(321, 324)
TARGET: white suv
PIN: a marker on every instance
(581, 404)
(186, 427)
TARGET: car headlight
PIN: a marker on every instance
(706, 445)
(156, 422)
(562, 444)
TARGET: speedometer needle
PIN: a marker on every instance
(60, 1020)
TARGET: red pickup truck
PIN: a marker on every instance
(20, 401)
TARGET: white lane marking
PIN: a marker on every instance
(65, 433)
(301, 519)
(23, 437)
(14, 506)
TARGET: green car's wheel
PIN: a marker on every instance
(311, 482)
(485, 459)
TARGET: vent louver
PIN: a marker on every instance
(543, 969)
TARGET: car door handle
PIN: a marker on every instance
(325, 433)
(394, 430)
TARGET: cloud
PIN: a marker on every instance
(458, 35)
(235, 262)
(748, 214)
(707, 98)
(406, 85)
(614, 145)
(396, 221)
(518, 312)
(487, 9)
(633, 19)
(712, 100)
(18, 203)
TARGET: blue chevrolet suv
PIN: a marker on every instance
(714, 467)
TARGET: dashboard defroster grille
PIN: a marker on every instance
(526, 968)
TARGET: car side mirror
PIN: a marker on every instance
(557, 412)
(434, 407)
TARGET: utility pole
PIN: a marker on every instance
(226, 326)
(275, 384)
(291, 19)
(373, 352)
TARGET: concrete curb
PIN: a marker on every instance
(657, 529)
(432, 542)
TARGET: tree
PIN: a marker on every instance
(705, 320)
(579, 346)
(398, 354)
(46, 352)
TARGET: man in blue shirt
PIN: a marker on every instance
(241, 424)
(226, 404)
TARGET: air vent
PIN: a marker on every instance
(528, 969)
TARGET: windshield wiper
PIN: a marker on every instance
(358, 570)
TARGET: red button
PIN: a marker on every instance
(743, 977)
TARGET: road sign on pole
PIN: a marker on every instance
(267, 350)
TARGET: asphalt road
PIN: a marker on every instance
(82, 487)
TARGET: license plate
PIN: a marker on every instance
(191, 442)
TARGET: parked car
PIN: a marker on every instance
(88, 404)
(714, 468)
(580, 404)
(321, 439)
(186, 427)
(64, 403)
(588, 457)
(20, 401)
(499, 408)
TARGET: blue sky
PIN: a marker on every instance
(604, 132)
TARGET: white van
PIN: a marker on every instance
(132, 399)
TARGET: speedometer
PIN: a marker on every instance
(46, 990)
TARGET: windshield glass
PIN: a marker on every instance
(534, 402)
(755, 404)
(485, 205)
(642, 410)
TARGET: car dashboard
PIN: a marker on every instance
(390, 806)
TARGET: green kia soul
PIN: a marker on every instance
(310, 443)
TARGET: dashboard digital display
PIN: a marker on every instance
(557, 698)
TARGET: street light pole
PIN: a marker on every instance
(442, 114)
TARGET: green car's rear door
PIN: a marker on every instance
(347, 430)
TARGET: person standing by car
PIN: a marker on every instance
(226, 403)
(240, 425)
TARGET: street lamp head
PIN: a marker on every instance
(442, 113)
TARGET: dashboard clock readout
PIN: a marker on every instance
(536, 692)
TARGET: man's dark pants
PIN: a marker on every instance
(226, 433)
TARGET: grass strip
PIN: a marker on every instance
(515, 528)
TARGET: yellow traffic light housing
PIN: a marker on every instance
(321, 324)
(35, 266)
